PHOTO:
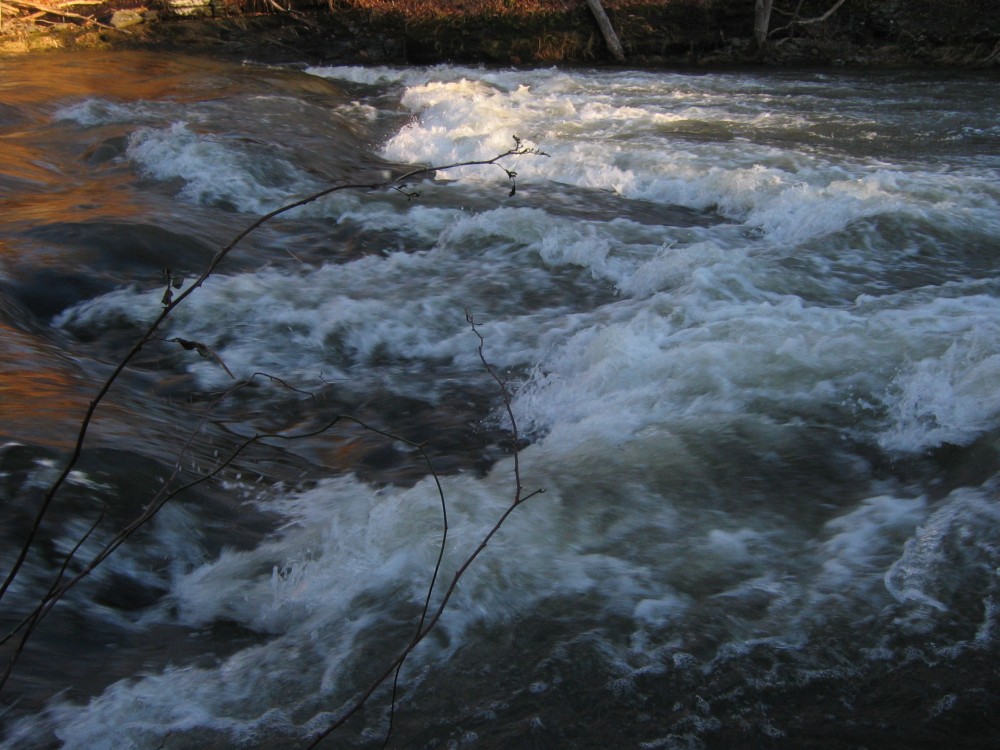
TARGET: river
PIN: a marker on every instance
(748, 322)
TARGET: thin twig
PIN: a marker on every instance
(32, 620)
(796, 21)
(57, 11)
(60, 588)
(518, 150)
(506, 397)
(427, 625)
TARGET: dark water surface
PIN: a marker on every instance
(750, 322)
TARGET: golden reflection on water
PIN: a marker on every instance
(70, 203)
(137, 75)
(40, 396)
(39, 185)
(56, 174)
(59, 77)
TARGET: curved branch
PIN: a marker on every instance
(60, 588)
(796, 21)
(59, 11)
(427, 625)
(518, 150)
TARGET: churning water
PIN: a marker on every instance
(751, 328)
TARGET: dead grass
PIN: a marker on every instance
(434, 9)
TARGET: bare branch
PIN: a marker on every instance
(59, 588)
(506, 402)
(58, 11)
(61, 585)
(796, 21)
(205, 351)
(426, 624)
(170, 302)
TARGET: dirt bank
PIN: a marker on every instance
(530, 32)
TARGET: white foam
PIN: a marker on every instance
(946, 391)
(683, 380)
(952, 558)
(91, 112)
(698, 332)
(342, 542)
(865, 540)
(336, 318)
(618, 136)
(214, 171)
(357, 74)
(917, 370)
(347, 573)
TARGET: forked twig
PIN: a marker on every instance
(427, 624)
(59, 10)
(799, 21)
(59, 588)
(169, 303)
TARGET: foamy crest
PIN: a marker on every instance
(215, 172)
(865, 541)
(350, 567)
(91, 112)
(951, 395)
(910, 371)
(694, 358)
(460, 121)
(401, 307)
(348, 564)
(596, 140)
(951, 562)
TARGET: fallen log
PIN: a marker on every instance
(607, 30)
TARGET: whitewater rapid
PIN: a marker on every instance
(751, 329)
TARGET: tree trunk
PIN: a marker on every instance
(762, 22)
(610, 37)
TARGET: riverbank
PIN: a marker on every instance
(528, 32)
